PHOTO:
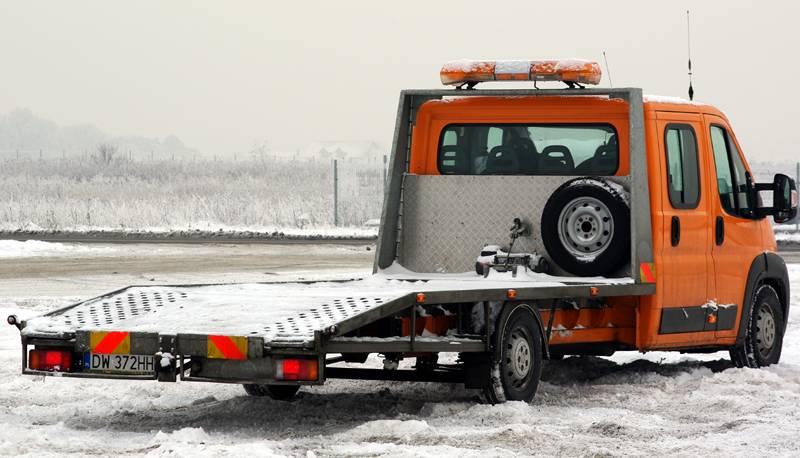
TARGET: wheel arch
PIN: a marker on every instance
(508, 307)
(766, 269)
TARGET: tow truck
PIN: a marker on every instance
(634, 222)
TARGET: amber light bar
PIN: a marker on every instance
(477, 71)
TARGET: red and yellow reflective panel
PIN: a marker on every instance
(110, 342)
(647, 272)
(227, 347)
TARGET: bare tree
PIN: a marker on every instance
(105, 153)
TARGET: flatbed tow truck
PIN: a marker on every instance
(636, 226)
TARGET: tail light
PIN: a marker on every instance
(296, 369)
(50, 360)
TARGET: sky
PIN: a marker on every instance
(224, 76)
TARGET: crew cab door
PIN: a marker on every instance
(737, 236)
(686, 269)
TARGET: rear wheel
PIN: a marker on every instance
(278, 392)
(764, 335)
(517, 364)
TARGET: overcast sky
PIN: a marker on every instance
(222, 75)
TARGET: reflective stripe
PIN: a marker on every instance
(108, 343)
(227, 347)
(647, 272)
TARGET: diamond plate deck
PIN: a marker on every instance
(283, 312)
(448, 219)
(275, 312)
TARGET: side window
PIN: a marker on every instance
(683, 175)
(731, 174)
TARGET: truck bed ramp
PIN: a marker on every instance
(291, 313)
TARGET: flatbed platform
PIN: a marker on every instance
(289, 314)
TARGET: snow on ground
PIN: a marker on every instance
(787, 236)
(629, 404)
(19, 249)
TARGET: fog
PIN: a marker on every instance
(224, 76)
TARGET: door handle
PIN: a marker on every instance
(675, 233)
(719, 230)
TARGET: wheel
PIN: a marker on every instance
(517, 364)
(278, 392)
(764, 333)
(586, 227)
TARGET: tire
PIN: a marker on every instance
(517, 365)
(277, 392)
(586, 228)
(763, 339)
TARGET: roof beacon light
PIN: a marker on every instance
(472, 72)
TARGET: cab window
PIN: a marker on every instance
(732, 175)
(528, 149)
(683, 175)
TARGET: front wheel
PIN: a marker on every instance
(764, 335)
(517, 364)
(277, 392)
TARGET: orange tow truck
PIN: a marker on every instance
(518, 225)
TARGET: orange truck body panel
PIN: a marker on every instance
(691, 274)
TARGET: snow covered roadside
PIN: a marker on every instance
(197, 232)
(625, 405)
(36, 248)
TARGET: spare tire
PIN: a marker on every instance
(586, 227)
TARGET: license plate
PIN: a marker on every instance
(122, 364)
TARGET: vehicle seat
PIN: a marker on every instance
(527, 155)
(502, 160)
(556, 160)
(602, 163)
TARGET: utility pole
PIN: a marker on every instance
(335, 192)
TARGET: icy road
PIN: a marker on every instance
(630, 404)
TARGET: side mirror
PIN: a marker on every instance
(784, 199)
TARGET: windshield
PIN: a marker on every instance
(528, 149)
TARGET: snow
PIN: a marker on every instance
(28, 248)
(648, 98)
(655, 404)
(277, 312)
(786, 236)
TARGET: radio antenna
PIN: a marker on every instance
(608, 70)
(689, 53)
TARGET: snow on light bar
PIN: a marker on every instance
(460, 72)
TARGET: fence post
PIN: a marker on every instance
(385, 174)
(335, 192)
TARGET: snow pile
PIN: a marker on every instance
(19, 249)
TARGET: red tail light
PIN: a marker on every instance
(50, 360)
(297, 369)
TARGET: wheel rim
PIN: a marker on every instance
(585, 227)
(765, 330)
(519, 358)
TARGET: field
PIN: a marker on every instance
(257, 194)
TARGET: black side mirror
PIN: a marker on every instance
(784, 199)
